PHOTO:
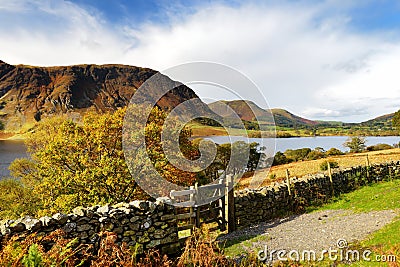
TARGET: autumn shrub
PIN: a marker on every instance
(112, 254)
(324, 165)
(17, 200)
(57, 250)
(36, 250)
(202, 250)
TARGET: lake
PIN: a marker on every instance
(326, 142)
(10, 150)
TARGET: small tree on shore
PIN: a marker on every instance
(355, 143)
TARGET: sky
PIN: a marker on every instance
(324, 60)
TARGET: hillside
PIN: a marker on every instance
(285, 118)
(384, 120)
(245, 109)
(28, 94)
(248, 110)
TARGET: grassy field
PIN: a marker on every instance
(199, 129)
(298, 169)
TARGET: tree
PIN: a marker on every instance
(280, 159)
(17, 200)
(334, 152)
(297, 154)
(83, 163)
(396, 119)
(255, 155)
(317, 153)
(355, 143)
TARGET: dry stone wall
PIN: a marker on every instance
(263, 204)
(141, 224)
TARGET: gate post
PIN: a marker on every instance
(231, 204)
(221, 192)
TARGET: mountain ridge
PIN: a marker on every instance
(29, 93)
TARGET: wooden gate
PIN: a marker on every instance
(201, 205)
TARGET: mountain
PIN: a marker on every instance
(245, 109)
(248, 111)
(30, 93)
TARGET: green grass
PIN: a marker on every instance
(378, 196)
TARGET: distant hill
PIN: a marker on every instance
(30, 93)
(245, 109)
(384, 120)
(285, 118)
(248, 110)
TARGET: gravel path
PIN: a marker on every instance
(314, 231)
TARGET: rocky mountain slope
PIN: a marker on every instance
(30, 93)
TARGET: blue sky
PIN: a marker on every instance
(366, 16)
(330, 60)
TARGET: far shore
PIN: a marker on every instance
(11, 136)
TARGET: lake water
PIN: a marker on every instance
(326, 142)
(10, 150)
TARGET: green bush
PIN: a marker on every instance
(297, 154)
(316, 154)
(334, 152)
(324, 165)
(33, 258)
(379, 147)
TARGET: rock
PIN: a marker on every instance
(159, 234)
(83, 228)
(48, 221)
(80, 211)
(121, 205)
(17, 227)
(32, 224)
(60, 218)
(104, 209)
(153, 243)
(129, 233)
(104, 219)
(146, 225)
(144, 239)
(141, 205)
(69, 227)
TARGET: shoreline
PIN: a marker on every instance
(11, 137)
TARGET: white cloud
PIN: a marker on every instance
(321, 112)
(56, 33)
(303, 57)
